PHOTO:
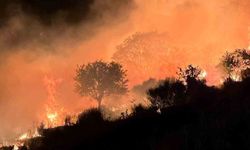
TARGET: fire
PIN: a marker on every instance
(19, 142)
(203, 74)
(52, 117)
(235, 77)
(23, 137)
(28, 135)
(54, 113)
(15, 147)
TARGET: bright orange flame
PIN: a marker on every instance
(54, 113)
(52, 117)
(23, 137)
(28, 135)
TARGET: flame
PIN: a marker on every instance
(236, 77)
(203, 74)
(54, 112)
(15, 147)
(28, 135)
(23, 137)
(52, 117)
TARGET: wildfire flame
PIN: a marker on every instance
(54, 113)
(28, 135)
(23, 137)
(236, 77)
(52, 117)
(15, 147)
(203, 74)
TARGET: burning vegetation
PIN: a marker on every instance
(130, 59)
(101, 80)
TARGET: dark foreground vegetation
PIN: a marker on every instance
(185, 114)
(206, 118)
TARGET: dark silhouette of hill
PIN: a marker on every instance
(210, 118)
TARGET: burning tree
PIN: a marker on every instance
(236, 64)
(100, 79)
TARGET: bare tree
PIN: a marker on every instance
(100, 79)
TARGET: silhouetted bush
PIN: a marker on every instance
(170, 92)
(91, 116)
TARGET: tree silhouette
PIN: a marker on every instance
(191, 73)
(236, 63)
(99, 79)
(171, 92)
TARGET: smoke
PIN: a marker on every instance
(41, 38)
(197, 32)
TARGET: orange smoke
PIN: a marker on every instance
(195, 32)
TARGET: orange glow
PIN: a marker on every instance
(36, 80)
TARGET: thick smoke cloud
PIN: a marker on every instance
(40, 38)
(39, 22)
(49, 11)
(46, 11)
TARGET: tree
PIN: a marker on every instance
(100, 79)
(236, 64)
(191, 73)
(145, 54)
